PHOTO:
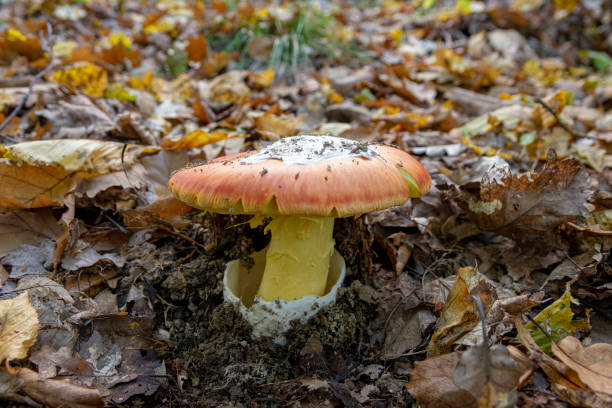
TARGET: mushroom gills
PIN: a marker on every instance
(297, 259)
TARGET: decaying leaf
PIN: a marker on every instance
(460, 313)
(526, 207)
(557, 319)
(18, 327)
(489, 374)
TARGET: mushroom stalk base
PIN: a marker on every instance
(297, 259)
(273, 318)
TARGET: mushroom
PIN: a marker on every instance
(302, 183)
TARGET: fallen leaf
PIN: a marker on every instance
(88, 77)
(526, 207)
(592, 364)
(228, 87)
(275, 126)
(30, 260)
(406, 331)
(194, 139)
(41, 173)
(26, 227)
(460, 313)
(431, 383)
(58, 393)
(489, 374)
(557, 319)
(18, 327)
(197, 48)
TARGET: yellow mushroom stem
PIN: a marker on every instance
(297, 261)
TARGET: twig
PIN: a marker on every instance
(561, 123)
(32, 82)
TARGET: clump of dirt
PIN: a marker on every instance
(223, 363)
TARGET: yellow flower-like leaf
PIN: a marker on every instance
(120, 38)
(18, 327)
(88, 77)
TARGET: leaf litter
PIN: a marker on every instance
(111, 288)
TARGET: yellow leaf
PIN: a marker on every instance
(12, 34)
(262, 79)
(396, 35)
(88, 77)
(120, 38)
(160, 26)
(18, 327)
(194, 139)
(556, 319)
(279, 125)
(568, 5)
(328, 91)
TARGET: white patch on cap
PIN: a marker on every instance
(310, 149)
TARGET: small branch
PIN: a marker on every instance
(36, 77)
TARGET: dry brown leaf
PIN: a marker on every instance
(592, 363)
(18, 327)
(197, 48)
(228, 87)
(527, 207)
(431, 383)
(26, 227)
(460, 314)
(59, 393)
(492, 385)
(557, 372)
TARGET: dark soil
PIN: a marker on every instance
(211, 344)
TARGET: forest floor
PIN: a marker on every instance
(494, 289)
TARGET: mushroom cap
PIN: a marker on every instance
(304, 175)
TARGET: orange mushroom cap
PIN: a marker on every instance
(304, 175)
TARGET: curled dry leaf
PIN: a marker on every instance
(526, 207)
(18, 327)
(41, 173)
(460, 313)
